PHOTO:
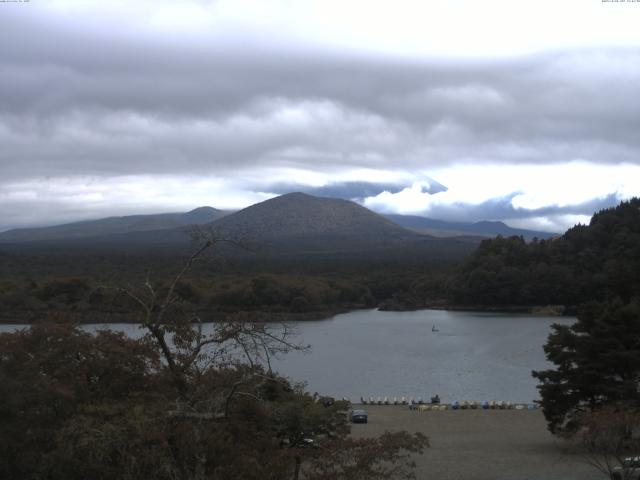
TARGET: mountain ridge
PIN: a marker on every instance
(294, 215)
(444, 228)
(290, 224)
(113, 226)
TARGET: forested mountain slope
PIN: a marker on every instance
(114, 226)
(598, 261)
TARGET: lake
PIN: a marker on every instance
(471, 356)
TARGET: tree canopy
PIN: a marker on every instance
(599, 261)
(178, 403)
(597, 364)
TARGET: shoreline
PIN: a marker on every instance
(92, 318)
(88, 318)
(543, 310)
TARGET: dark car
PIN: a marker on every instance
(359, 416)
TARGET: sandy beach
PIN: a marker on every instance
(482, 444)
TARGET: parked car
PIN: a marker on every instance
(629, 470)
(359, 416)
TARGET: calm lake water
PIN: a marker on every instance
(472, 356)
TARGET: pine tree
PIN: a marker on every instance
(597, 363)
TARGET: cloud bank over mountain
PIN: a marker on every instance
(115, 109)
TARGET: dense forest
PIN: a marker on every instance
(174, 404)
(599, 261)
(277, 287)
(590, 395)
(263, 295)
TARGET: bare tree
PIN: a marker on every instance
(193, 353)
(186, 348)
(610, 440)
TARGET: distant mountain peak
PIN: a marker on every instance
(201, 215)
(294, 195)
(203, 209)
(299, 214)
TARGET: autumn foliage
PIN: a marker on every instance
(177, 403)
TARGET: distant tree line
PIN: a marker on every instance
(226, 294)
(34, 281)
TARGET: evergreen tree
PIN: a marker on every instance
(597, 363)
(599, 261)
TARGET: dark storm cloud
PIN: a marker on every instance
(77, 101)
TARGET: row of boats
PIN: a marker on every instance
(464, 405)
(397, 401)
(434, 404)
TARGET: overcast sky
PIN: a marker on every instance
(522, 111)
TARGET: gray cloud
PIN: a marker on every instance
(501, 208)
(107, 100)
(124, 97)
(346, 190)
(351, 190)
